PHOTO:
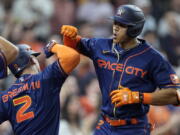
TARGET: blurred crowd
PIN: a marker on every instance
(35, 22)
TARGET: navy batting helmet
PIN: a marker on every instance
(23, 60)
(132, 17)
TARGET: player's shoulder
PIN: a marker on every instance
(157, 54)
(150, 48)
(53, 70)
(152, 53)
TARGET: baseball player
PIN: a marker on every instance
(129, 70)
(31, 104)
(8, 53)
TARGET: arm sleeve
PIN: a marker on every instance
(163, 75)
(3, 66)
(54, 72)
(52, 78)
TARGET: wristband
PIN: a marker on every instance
(147, 98)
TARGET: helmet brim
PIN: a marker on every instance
(34, 53)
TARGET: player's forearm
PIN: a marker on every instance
(73, 43)
(162, 97)
(9, 50)
(68, 57)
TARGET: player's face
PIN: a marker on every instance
(119, 32)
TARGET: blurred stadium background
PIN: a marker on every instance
(35, 22)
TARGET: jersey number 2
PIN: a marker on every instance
(21, 115)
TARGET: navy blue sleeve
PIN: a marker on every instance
(52, 78)
(3, 66)
(54, 71)
(163, 74)
(87, 46)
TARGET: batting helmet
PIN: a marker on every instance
(23, 60)
(131, 16)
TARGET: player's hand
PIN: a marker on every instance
(70, 37)
(47, 48)
(69, 31)
(124, 96)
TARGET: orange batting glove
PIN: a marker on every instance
(124, 96)
(69, 31)
(70, 37)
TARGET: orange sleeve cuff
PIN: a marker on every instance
(147, 98)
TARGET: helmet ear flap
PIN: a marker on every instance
(23, 60)
(134, 31)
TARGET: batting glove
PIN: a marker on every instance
(70, 37)
(69, 31)
(125, 96)
(48, 47)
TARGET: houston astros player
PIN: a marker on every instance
(31, 104)
(129, 70)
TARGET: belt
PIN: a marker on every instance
(120, 122)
